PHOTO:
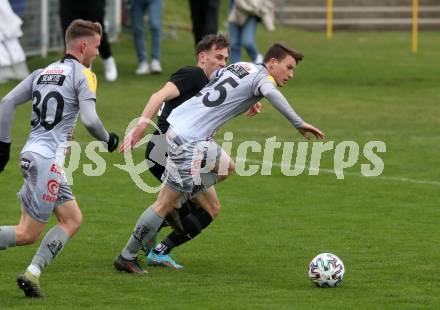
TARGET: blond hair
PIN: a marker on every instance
(82, 28)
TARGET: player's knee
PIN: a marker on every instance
(214, 209)
(72, 224)
(231, 167)
(76, 222)
(163, 208)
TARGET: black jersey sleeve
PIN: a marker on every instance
(189, 79)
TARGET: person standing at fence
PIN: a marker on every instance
(95, 12)
(242, 26)
(154, 10)
(204, 17)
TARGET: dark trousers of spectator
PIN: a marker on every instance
(204, 16)
(92, 10)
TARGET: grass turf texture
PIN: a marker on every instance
(360, 87)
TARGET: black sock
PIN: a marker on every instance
(193, 225)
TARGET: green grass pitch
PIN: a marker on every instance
(358, 87)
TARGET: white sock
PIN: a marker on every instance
(34, 270)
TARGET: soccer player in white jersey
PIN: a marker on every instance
(59, 93)
(231, 92)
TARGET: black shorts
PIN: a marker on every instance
(156, 154)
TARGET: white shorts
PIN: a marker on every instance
(45, 186)
(187, 159)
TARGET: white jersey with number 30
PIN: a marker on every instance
(56, 92)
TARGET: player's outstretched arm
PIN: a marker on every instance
(94, 126)
(168, 92)
(19, 95)
(280, 103)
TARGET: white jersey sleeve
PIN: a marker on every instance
(21, 93)
(265, 85)
(85, 83)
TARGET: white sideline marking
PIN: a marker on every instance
(331, 171)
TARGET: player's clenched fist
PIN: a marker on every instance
(112, 142)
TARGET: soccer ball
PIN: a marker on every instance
(326, 270)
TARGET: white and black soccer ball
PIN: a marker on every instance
(326, 270)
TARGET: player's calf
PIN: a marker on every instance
(208, 201)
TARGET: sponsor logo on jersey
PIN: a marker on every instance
(49, 198)
(53, 79)
(54, 71)
(53, 186)
(239, 70)
(91, 79)
(55, 74)
(56, 169)
(25, 164)
(57, 69)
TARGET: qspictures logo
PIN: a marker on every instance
(294, 158)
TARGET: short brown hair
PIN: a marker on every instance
(82, 28)
(208, 41)
(279, 51)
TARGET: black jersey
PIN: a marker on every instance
(189, 81)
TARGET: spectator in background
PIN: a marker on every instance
(12, 57)
(154, 9)
(94, 11)
(204, 16)
(242, 26)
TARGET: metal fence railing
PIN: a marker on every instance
(42, 28)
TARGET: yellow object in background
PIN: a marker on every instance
(415, 25)
(329, 19)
